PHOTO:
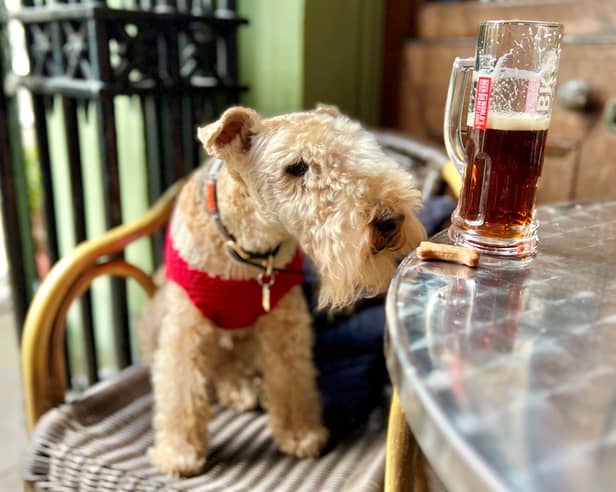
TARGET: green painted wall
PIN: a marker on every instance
(134, 193)
(295, 53)
(22, 166)
(64, 220)
(270, 57)
(95, 225)
(342, 56)
(133, 183)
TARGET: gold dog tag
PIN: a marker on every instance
(265, 298)
(265, 290)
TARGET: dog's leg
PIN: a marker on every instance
(236, 378)
(180, 373)
(284, 340)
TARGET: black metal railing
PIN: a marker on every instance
(178, 58)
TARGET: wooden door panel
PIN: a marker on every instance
(460, 19)
(597, 168)
(426, 71)
(581, 160)
(557, 177)
(594, 62)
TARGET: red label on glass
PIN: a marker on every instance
(532, 95)
(482, 102)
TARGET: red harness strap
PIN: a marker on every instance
(230, 304)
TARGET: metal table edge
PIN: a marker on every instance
(485, 479)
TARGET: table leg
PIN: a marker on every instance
(404, 464)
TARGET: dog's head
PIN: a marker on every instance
(326, 181)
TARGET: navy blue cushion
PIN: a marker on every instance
(348, 349)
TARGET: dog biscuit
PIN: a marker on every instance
(446, 252)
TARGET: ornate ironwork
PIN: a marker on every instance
(178, 56)
(165, 48)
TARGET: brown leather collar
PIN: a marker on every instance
(264, 261)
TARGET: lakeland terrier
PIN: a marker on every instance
(231, 307)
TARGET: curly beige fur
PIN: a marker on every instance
(331, 212)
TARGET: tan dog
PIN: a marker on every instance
(315, 179)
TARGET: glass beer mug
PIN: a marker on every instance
(513, 78)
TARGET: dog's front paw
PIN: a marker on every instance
(303, 443)
(179, 460)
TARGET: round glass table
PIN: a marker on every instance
(507, 373)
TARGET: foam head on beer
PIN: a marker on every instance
(514, 121)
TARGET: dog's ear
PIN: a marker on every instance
(232, 133)
(327, 109)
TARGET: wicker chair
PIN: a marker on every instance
(99, 442)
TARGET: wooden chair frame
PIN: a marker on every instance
(42, 348)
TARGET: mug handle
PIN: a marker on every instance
(452, 130)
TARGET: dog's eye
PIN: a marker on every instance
(298, 169)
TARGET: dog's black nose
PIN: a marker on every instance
(387, 228)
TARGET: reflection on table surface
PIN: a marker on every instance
(507, 373)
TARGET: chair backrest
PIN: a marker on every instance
(424, 161)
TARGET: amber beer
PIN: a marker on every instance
(500, 183)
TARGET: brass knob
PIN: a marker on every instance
(574, 95)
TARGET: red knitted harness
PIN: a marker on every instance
(230, 304)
